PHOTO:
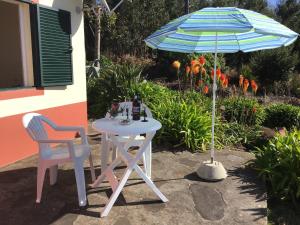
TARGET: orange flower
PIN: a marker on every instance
(245, 86)
(254, 110)
(203, 71)
(222, 77)
(223, 80)
(226, 82)
(187, 70)
(194, 63)
(196, 69)
(218, 72)
(176, 64)
(254, 86)
(205, 89)
(202, 60)
(241, 81)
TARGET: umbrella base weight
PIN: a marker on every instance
(212, 171)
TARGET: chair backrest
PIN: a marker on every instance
(128, 105)
(33, 123)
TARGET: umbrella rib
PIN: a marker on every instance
(237, 40)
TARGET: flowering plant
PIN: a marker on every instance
(244, 85)
(195, 73)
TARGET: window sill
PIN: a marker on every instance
(21, 92)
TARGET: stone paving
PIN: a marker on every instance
(239, 199)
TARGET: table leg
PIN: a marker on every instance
(148, 160)
(107, 173)
(150, 183)
(104, 152)
(131, 165)
(116, 193)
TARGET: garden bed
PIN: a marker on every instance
(243, 120)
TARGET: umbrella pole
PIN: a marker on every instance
(212, 150)
(212, 170)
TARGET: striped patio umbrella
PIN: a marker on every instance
(234, 29)
(221, 30)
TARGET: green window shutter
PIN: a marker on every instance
(52, 48)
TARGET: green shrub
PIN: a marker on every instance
(242, 110)
(278, 164)
(114, 82)
(199, 99)
(182, 123)
(184, 116)
(282, 115)
(234, 133)
(92, 70)
(152, 93)
(273, 65)
(294, 84)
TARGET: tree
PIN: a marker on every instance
(289, 13)
(93, 14)
(273, 65)
(133, 22)
(187, 6)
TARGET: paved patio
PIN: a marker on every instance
(239, 199)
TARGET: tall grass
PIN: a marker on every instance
(185, 118)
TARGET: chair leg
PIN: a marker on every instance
(80, 182)
(53, 174)
(40, 182)
(92, 168)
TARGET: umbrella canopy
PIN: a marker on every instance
(221, 30)
(238, 30)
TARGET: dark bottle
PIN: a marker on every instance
(136, 108)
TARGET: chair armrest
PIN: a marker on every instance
(69, 128)
(54, 141)
(68, 142)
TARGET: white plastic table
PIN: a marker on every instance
(112, 127)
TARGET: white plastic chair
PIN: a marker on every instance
(138, 141)
(50, 158)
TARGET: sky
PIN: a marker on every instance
(273, 2)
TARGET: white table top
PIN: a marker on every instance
(113, 126)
